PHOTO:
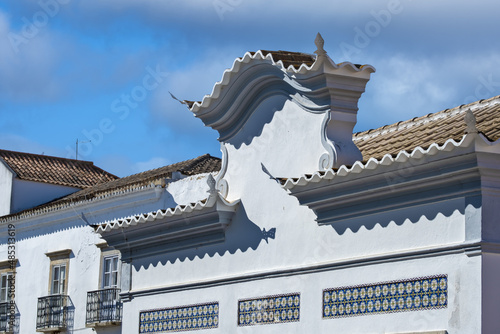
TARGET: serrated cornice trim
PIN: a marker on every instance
(455, 169)
(241, 64)
(178, 210)
(161, 231)
(387, 160)
(319, 88)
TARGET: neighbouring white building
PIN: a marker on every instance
(302, 227)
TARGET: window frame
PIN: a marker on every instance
(106, 253)
(58, 288)
(8, 268)
(116, 271)
(59, 259)
(5, 290)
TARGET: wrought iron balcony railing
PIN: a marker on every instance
(7, 317)
(52, 313)
(104, 307)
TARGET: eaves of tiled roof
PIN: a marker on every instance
(202, 164)
(55, 170)
(430, 129)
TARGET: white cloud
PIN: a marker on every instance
(26, 64)
(191, 83)
(405, 87)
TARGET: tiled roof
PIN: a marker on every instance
(199, 165)
(54, 170)
(290, 58)
(202, 164)
(432, 128)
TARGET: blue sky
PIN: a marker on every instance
(101, 70)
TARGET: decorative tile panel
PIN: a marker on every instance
(387, 297)
(269, 310)
(178, 319)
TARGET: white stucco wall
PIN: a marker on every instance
(184, 191)
(28, 194)
(32, 277)
(299, 241)
(413, 241)
(303, 257)
(68, 229)
(417, 240)
(6, 178)
(462, 316)
(490, 306)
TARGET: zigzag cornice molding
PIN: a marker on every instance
(255, 77)
(359, 167)
(214, 200)
(162, 231)
(455, 169)
(250, 59)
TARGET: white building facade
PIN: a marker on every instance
(302, 228)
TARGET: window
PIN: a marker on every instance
(110, 272)
(58, 275)
(8, 310)
(104, 307)
(6, 279)
(58, 279)
(52, 310)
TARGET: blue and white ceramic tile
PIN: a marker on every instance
(177, 319)
(269, 310)
(397, 296)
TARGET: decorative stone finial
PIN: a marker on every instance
(470, 121)
(211, 185)
(320, 42)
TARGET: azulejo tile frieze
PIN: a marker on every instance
(413, 294)
(269, 310)
(178, 319)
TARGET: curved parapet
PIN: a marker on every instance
(316, 84)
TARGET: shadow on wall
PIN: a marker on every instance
(384, 217)
(70, 322)
(264, 112)
(242, 234)
(9, 323)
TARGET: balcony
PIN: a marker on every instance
(52, 313)
(7, 317)
(104, 307)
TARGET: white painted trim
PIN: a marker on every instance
(241, 64)
(463, 248)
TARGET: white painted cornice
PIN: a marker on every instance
(422, 176)
(479, 142)
(160, 231)
(57, 214)
(321, 88)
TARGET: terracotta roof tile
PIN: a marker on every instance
(201, 164)
(55, 170)
(290, 58)
(432, 128)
